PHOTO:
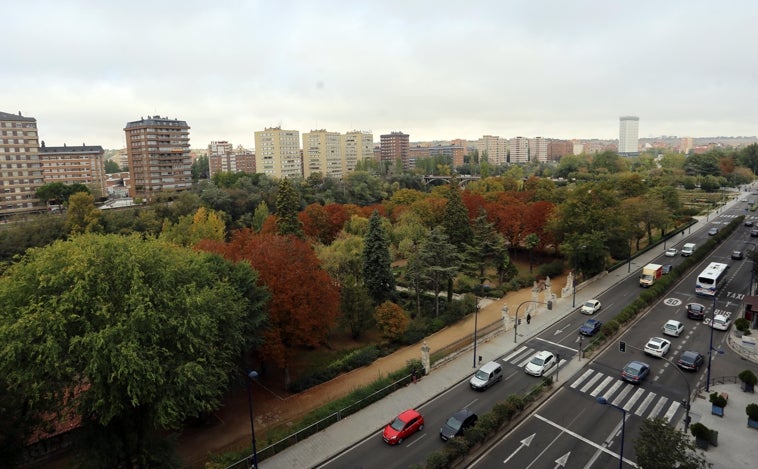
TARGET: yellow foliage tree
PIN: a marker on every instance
(391, 319)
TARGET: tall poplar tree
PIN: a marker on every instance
(287, 208)
(377, 273)
(456, 220)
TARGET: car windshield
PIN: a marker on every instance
(671, 326)
(631, 370)
(537, 361)
(589, 324)
(482, 375)
(589, 304)
(397, 424)
(654, 345)
(454, 423)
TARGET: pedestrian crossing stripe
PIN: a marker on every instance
(626, 395)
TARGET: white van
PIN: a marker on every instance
(489, 374)
(688, 249)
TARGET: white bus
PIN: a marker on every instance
(710, 280)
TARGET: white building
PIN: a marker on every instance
(277, 153)
(538, 149)
(629, 130)
(495, 147)
(519, 150)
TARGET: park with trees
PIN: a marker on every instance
(132, 322)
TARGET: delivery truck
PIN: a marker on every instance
(650, 273)
(688, 249)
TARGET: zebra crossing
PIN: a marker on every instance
(521, 356)
(632, 398)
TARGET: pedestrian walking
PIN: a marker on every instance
(528, 318)
(413, 376)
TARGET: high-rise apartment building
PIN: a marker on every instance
(629, 129)
(277, 153)
(495, 149)
(322, 153)
(159, 156)
(356, 146)
(538, 149)
(20, 169)
(221, 158)
(519, 150)
(394, 150)
(75, 165)
(558, 148)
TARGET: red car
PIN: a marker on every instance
(404, 425)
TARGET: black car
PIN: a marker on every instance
(754, 233)
(748, 222)
(695, 311)
(457, 423)
(690, 360)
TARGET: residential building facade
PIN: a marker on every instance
(394, 150)
(356, 145)
(558, 148)
(629, 129)
(277, 153)
(221, 158)
(75, 165)
(159, 157)
(20, 168)
(518, 149)
(494, 147)
(322, 154)
(538, 149)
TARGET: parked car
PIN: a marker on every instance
(671, 252)
(713, 231)
(738, 255)
(667, 269)
(657, 347)
(754, 233)
(457, 423)
(540, 363)
(489, 374)
(403, 426)
(720, 322)
(591, 307)
(590, 327)
(635, 372)
(695, 311)
(748, 222)
(690, 360)
(673, 328)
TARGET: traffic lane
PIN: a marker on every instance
(373, 452)
(570, 430)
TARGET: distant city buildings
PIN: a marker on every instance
(20, 168)
(159, 156)
(494, 148)
(75, 165)
(277, 153)
(357, 145)
(629, 129)
(518, 149)
(538, 149)
(558, 148)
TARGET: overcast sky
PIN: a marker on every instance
(435, 70)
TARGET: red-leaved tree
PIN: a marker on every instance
(304, 301)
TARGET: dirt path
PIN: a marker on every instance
(232, 430)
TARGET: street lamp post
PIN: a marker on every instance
(476, 319)
(515, 324)
(251, 376)
(711, 350)
(604, 401)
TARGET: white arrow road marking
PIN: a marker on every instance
(524, 443)
(561, 462)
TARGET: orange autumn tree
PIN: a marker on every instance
(304, 301)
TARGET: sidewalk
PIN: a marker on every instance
(320, 447)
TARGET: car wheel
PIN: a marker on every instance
(421, 427)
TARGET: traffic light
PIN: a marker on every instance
(622, 346)
(549, 304)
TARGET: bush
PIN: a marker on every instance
(742, 325)
(437, 460)
(352, 360)
(748, 377)
(700, 431)
(456, 447)
(717, 399)
(752, 411)
(553, 269)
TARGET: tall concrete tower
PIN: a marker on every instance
(629, 131)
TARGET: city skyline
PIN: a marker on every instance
(434, 71)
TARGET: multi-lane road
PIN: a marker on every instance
(571, 429)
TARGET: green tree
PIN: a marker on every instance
(377, 271)
(455, 219)
(485, 248)
(259, 216)
(200, 168)
(287, 208)
(189, 230)
(135, 335)
(111, 167)
(661, 446)
(82, 216)
(355, 306)
(436, 263)
(531, 241)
